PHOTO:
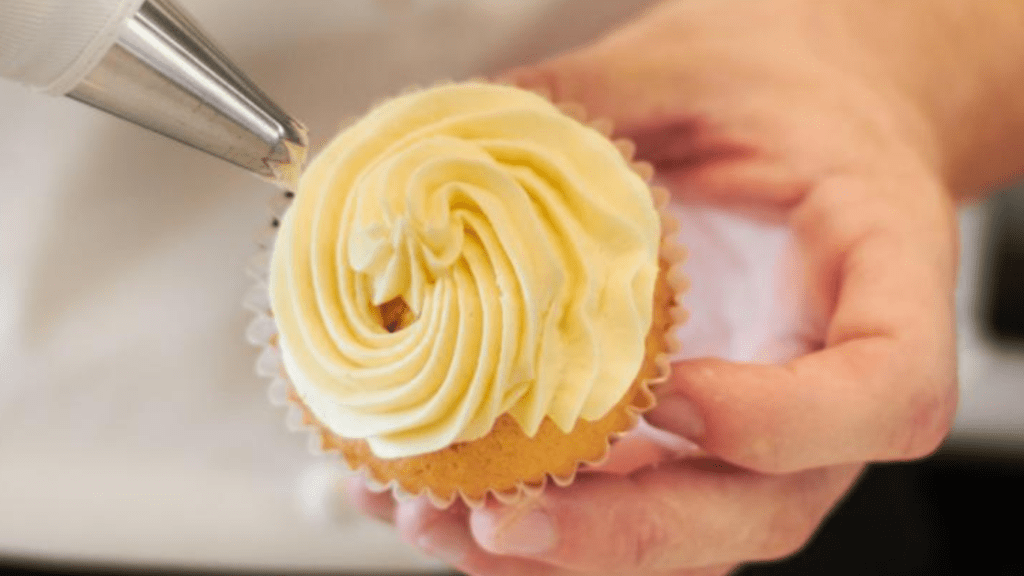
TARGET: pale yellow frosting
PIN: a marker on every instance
(521, 241)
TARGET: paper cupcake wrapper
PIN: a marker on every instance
(262, 332)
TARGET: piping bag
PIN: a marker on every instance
(149, 62)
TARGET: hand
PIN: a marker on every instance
(748, 106)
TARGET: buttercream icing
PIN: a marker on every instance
(459, 253)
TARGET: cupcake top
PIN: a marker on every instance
(460, 253)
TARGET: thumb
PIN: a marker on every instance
(601, 524)
(698, 514)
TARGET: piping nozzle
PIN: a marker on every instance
(148, 62)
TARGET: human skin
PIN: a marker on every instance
(860, 125)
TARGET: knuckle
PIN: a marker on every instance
(928, 420)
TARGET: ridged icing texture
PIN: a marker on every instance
(459, 253)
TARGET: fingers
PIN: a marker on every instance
(693, 520)
(590, 76)
(664, 520)
(735, 179)
(379, 505)
(884, 386)
(641, 76)
(642, 447)
(880, 258)
(628, 454)
(500, 541)
(707, 141)
(445, 535)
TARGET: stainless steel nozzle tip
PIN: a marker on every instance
(165, 74)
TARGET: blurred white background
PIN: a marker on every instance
(132, 426)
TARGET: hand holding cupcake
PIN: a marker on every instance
(837, 121)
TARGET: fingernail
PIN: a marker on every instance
(527, 533)
(677, 414)
(448, 542)
(674, 445)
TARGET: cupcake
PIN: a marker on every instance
(471, 293)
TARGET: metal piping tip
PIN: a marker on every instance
(288, 156)
(165, 74)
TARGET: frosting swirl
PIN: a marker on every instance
(460, 253)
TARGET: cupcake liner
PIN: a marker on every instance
(662, 345)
